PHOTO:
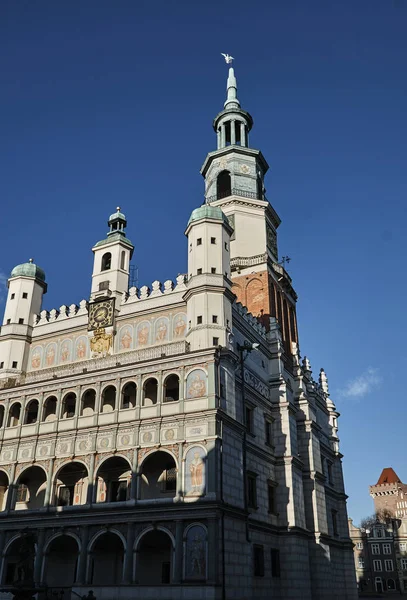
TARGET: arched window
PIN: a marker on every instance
(106, 261)
(106, 560)
(391, 586)
(123, 260)
(31, 413)
(171, 388)
(1, 415)
(68, 406)
(63, 550)
(88, 403)
(113, 480)
(259, 187)
(14, 415)
(50, 409)
(150, 392)
(129, 395)
(71, 485)
(109, 399)
(4, 484)
(158, 476)
(154, 558)
(223, 185)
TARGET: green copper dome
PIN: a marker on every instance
(28, 269)
(206, 211)
(117, 215)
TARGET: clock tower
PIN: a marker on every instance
(234, 181)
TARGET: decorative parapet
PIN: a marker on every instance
(250, 319)
(240, 262)
(157, 289)
(134, 356)
(65, 312)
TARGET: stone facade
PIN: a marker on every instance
(165, 442)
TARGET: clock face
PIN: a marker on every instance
(101, 314)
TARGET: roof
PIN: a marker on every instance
(28, 269)
(388, 476)
(117, 215)
(114, 237)
(206, 211)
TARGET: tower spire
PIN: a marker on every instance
(231, 87)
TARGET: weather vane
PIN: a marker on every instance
(228, 58)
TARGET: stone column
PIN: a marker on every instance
(91, 475)
(50, 480)
(39, 556)
(11, 488)
(128, 558)
(180, 491)
(134, 477)
(178, 554)
(39, 415)
(83, 556)
(242, 134)
(222, 135)
(218, 135)
(233, 132)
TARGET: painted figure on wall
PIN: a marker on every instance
(143, 332)
(50, 355)
(195, 472)
(66, 350)
(195, 555)
(196, 384)
(161, 330)
(81, 348)
(180, 325)
(126, 338)
(36, 358)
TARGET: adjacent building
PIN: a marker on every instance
(169, 441)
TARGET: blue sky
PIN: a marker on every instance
(108, 103)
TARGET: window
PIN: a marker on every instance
(258, 561)
(403, 547)
(403, 564)
(391, 585)
(271, 489)
(8, 322)
(2, 364)
(21, 321)
(388, 564)
(12, 296)
(334, 514)
(329, 472)
(199, 320)
(214, 318)
(22, 493)
(386, 548)
(378, 533)
(375, 549)
(123, 260)
(199, 242)
(106, 262)
(275, 562)
(377, 565)
(25, 295)
(359, 545)
(267, 430)
(226, 246)
(213, 240)
(213, 270)
(361, 562)
(251, 490)
(14, 365)
(249, 419)
(215, 341)
(199, 271)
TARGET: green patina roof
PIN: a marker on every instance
(114, 237)
(28, 269)
(206, 211)
(117, 215)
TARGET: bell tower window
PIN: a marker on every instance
(123, 260)
(259, 185)
(223, 185)
(106, 261)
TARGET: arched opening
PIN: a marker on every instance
(4, 485)
(71, 485)
(61, 561)
(50, 409)
(123, 260)
(31, 486)
(88, 403)
(223, 185)
(113, 480)
(108, 399)
(1, 415)
(106, 560)
(106, 262)
(171, 388)
(259, 188)
(158, 476)
(69, 406)
(154, 558)
(228, 131)
(14, 415)
(31, 412)
(391, 585)
(15, 569)
(150, 392)
(129, 395)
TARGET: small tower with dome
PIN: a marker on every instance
(112, 255)
(26, 286)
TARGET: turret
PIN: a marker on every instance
(209, 297)
(26, 287)
(112, 257)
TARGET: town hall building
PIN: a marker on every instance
(169, 441)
